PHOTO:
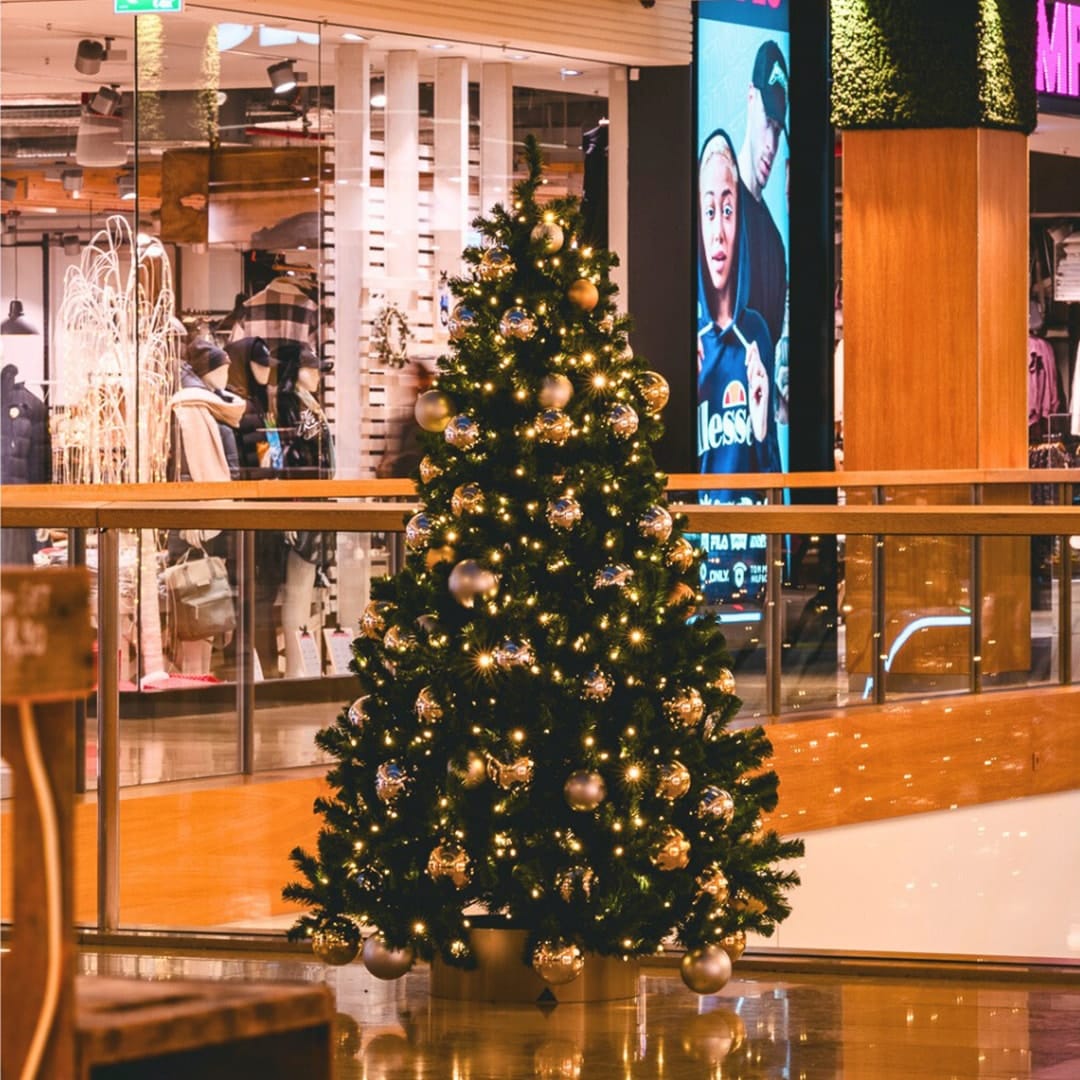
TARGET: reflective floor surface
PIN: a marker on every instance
(802, 1027)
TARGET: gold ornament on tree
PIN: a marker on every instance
(564, 513)
(373, 619)
(449, 861)
(418, 531)
(428, 709)
(686, 709)
(681, 554)
(713, 883)
(655, 524)
(390, 781)
(555, 391)
(433, 410)
(673, 850)
(557, 962)
(462, 432)
(623, 420)
(469, 579)
(336, 944)
(548, 235)
(725, 681)
(680, 594)
(517, 324)
(508, 774)
(462, 319)
(583, 294)
(495, 263)
(716, 803)
(357, 714)
(674, 781)
(553, 426)
(596, 685)
(510, 654)
(734, 944)
(386, 963)
(706, 970)
(467, 499)
(398, 640)
(613, 577)
(654, 390)
(428, 469)
(573, 880)
(584, 791)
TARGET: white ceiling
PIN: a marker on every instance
(1056, 135)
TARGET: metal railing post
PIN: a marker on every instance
(774, 623)
(877, 607)
(976, 574)
(1065, 604)
(77, 557)
(245, 645)
(108, 730)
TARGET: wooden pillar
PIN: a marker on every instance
(451, 204)
(402, 183)
(496, 134)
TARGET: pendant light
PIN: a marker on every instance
(16, 322)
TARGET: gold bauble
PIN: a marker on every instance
(674, 781)
(686, 709)
(418, 531)
(510, 654)
(584, 791)
(734, 944)
(553, 426)
(462, 432)
(623, 420)
(681, 554)
(712, 1036)
(575, 879)
(555, 391)
(428, 709)
(428, 469)
(373, 619)
(706, 970)
(583, 294)
(655, 524)
(716, 803)
(557, 962)
(654, 389)
(564, 513)
(469, 579)
(713, 882)
(357, 713)
(449, 861)
(398, 640)
(673, 851)
(507, 774)
(390, 781)
(680, 594)
(462, 319)
(438, 555)
(385, 963)
(617, 576)
(548, 235)
(467, 499)
(433, 410)
(495, 263)
(517, 324)
(725, 681)
(336, 944)
(596, 685)
(750, 904)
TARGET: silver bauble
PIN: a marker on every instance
(467, 499)
(469, 579)
(716, 803)
(357, 713)
(428, 709)
(575, 879)
(418, 531)
(548, 235)
(336, 944)
(674, 781)
(507, 774)
(553, 426)
(386, 963)
(713, 882)
(687, 709)
(428, 469)
(398, 640)
(584, 791)
(613, 577)
(373, 619)
(495, 263)
(564, 513)
(462, 319)
(557, 962)
(517, 324)
(390, 781)
(654, 389)
(623, 420)
(469, 769)
(596, 685)
(681, 554)
(510, 654)
(462, 432)
(673, 850)
(433, 410)
(706, 970)
(725, 681)
(555, 391)
(449, 861)
(655, 524)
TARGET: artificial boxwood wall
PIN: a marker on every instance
(934, 63)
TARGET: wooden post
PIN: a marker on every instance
(48, 664)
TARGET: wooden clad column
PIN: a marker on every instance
(451, 206)
(402, 178)
(496, 134)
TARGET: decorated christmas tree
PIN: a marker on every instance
(541, 727)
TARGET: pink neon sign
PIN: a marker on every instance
(1057, 62)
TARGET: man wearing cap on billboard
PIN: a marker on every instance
(766, 120)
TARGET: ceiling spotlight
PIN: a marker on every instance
(16, 322)
(71, 244)
(440, 46)
(350, 36)
(106, 101)
(89, 56)
(282, 77)
(72, 179)
(569, 73)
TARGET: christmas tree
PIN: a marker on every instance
(541, 730)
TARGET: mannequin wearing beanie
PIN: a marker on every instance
(308, 452)
(206, 418)
(250, 365)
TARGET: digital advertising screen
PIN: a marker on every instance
(741, 272)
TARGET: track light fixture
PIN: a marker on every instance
(72, 179)
(91, 54)
(283, 77)
(16, 322)
(125, 185)
(106, 101)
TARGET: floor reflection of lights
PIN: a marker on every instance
(808, 1027)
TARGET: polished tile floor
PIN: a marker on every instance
(789, 1027)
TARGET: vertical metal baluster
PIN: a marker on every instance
(877, 606)
(1065, 604)
(976, 572)
(77, 557)
(245, 645)
(108, 723)
(774, 623)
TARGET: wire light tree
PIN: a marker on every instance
(542, 725)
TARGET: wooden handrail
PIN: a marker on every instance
(889, 520)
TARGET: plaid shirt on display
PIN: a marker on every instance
(281, 314)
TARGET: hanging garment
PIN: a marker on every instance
(1044, 397)
(281, 313)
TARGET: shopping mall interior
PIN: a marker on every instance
(390, 686)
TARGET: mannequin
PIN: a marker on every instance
(308, 452)
(26, 457)
(207, 416)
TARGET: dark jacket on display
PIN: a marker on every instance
(252, 440)
(26, 457)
